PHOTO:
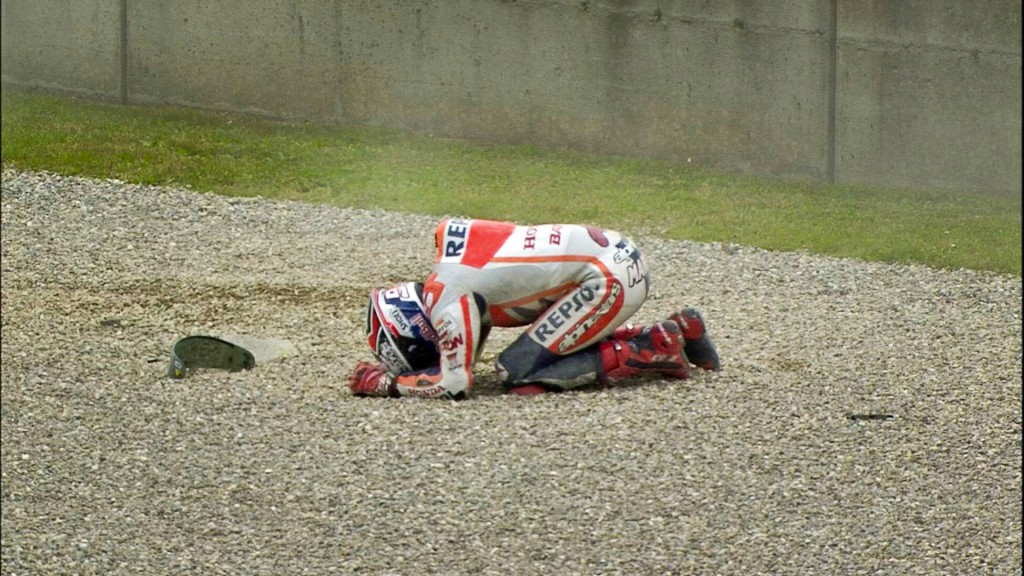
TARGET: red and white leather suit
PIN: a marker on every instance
(572, 286)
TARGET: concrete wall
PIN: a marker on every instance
(63, 45)
(929, 93)
(902, 93)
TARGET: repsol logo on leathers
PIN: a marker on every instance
(564, 313)
(574, 335)
(455, 238)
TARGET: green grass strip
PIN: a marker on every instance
(241, 155)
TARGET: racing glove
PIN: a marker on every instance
(370, 379)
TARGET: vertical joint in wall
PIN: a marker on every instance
(122, 46)
(833, 54)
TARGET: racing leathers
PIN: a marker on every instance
(572, 286)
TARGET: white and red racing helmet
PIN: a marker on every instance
(398, 329)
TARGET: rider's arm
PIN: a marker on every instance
(458, 326)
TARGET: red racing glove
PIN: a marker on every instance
(370, 379)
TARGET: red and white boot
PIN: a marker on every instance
(634, 352)
(698, 347)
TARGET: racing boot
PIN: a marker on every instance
(657, 350)
(698, 345)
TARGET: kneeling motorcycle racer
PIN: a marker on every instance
(573, 287)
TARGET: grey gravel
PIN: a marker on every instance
(111, 468)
